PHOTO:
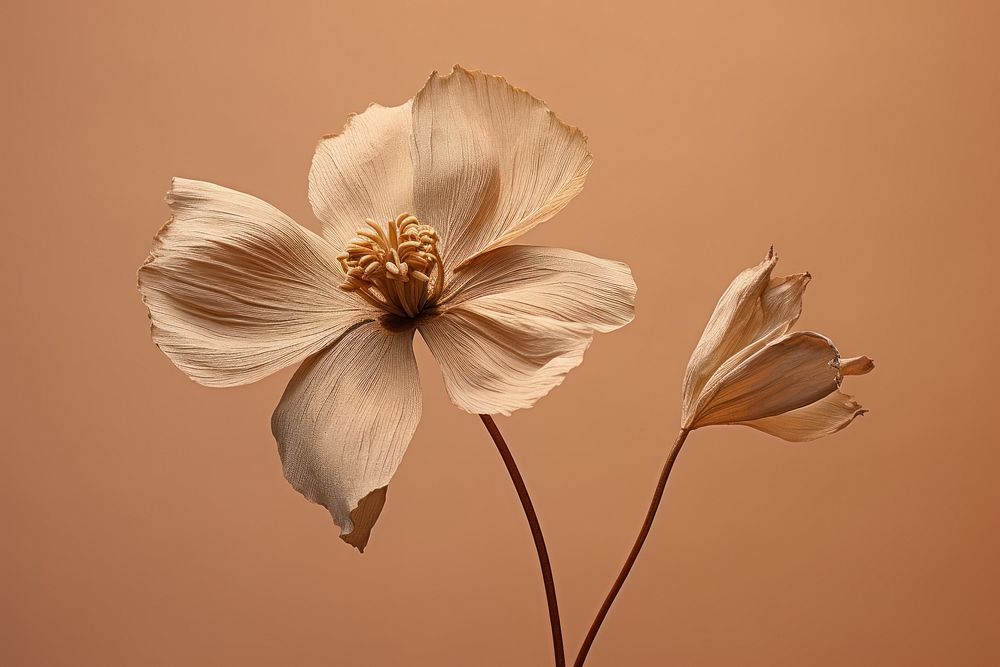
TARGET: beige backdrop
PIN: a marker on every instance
(145, 519)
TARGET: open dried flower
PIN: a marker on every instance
(417, 203)
(748, 369)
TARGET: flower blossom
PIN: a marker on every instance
(418, 204)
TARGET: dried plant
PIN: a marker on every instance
(418, 204)
(748, 369)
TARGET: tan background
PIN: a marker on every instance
(145, 519)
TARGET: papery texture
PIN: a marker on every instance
(491, 367)
(824, 417)
(491, 161)
(345, 421)
(754, 310)
(788, 373)
(521, 319)
(366, 171)
(236, 290)
(856, 366)
(417, 203)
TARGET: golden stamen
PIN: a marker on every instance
(380, 262)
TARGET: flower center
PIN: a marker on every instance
(398, 268)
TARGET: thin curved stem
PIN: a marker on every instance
(636, 548)
(536, 534)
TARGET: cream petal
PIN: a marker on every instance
(345, 421)
(491, 366)
(521, 320)
(786, 374)
(824, 417)
(236, 290)
(767, 318)
(491, 162)
(754, 310)
(363, 172)
(555, 283)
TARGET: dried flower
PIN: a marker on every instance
(747, 369)
(417, 203)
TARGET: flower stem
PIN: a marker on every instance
(536, 534)
(636, 548)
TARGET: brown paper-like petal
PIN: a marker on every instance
(856, 366)
(345, 421)
(236, 290)
(754, 310)
(824, 417)
(521, 320)
(491, 162)
(791, 372)
(363, 172)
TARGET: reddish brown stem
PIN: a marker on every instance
(636, 548)
(536, 534)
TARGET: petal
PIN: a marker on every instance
(491, 366)
(754, 310)
(856, 366)
(491, 162)
(363, 172)
(236, 290)
(824, 417)
(554, 283)
(786, 374)
(344, 422)
(521, 320)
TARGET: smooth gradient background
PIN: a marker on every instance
(145, 520)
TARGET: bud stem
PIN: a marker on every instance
(636, 548)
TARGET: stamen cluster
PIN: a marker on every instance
(398, 268)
